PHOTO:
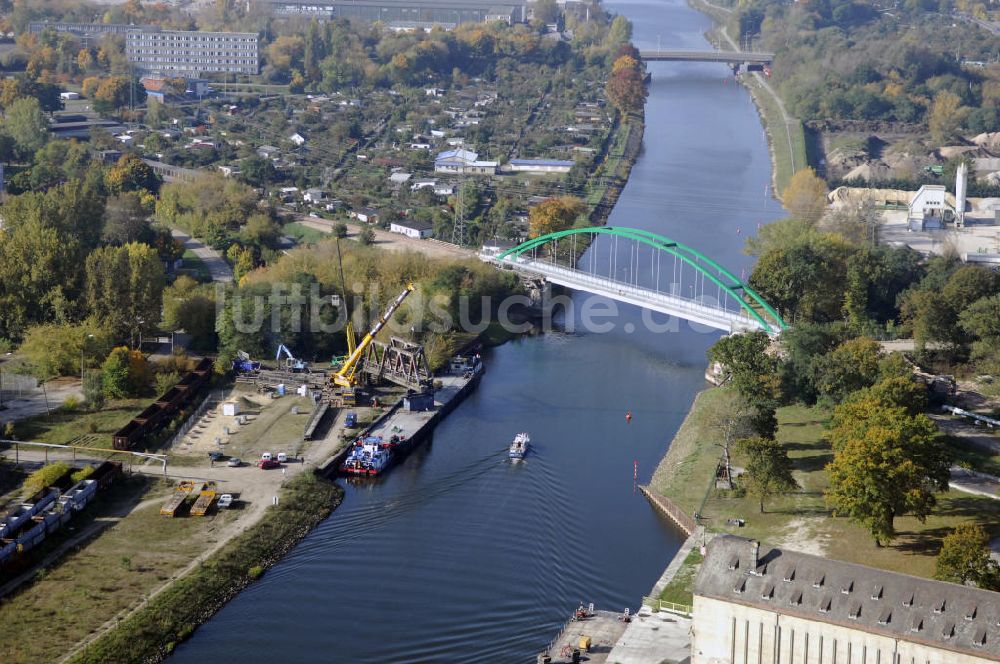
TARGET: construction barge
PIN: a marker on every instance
(411, 420)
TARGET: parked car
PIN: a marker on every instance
(351, 421)
(234, 462)
(225, 500)
(282, 457)
(215, 456)
(266, 464)
(266, 456)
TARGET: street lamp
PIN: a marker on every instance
(83, 348)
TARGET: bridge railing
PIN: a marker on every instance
(651, 296)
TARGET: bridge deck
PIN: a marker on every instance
(706, 56)
(703, 312)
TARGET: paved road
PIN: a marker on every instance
(217, 266)
(392, 241)
(54, 394)
(980, 484)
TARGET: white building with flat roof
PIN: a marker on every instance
(187, 53)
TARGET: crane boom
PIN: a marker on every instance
(345, 376)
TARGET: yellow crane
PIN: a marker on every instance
(346, 376)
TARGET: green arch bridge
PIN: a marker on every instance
(657, 273)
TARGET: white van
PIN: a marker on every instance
(266, 456)
(282, 457)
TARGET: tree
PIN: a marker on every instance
(732, 423)
(54, 349)
(93, 389)
(851, 366)
(554, 214)
(366, 237)
(125, 288)
(768, 468)
(114, 374)
(126, 219)
(805, 196)
(625, 87)
(945, 116)
(340, 230)
(26, 124)
(886, 462)
(965, 558)
(753, 372)
(546, 11)
(620, 32)
(131, 174)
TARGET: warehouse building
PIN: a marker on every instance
(753, 604)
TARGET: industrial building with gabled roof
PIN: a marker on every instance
(759, 604)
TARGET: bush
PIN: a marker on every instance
(82, 474)
(71, 404)
(44, 477)
(255, 572)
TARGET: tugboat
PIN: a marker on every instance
(366, 458)
(519, 447)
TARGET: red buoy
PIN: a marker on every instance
(628, 416)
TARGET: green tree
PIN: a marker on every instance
(340, 230)
(125, 288)
(366, 236)
(619, 32)
(851, 366)
(114, 374)
(768, 468)
(753, 371)
(25, 122)
(131, 174)
(886, 463)
(965, 558)
(805, 281)
(93, 389)
(54, 349)
(126, 219)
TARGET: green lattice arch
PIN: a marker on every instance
(722, 277)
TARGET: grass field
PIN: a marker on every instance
(687, 471)
(802, 520)
(678, 590)
(196, 266)
(304, 234)
(787, 159)
(115, 571)
(80, 427)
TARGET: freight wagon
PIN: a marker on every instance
(159, 413)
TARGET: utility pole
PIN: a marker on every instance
(458, 230)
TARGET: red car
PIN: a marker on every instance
(265, 464)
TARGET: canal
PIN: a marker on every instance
(457, 555)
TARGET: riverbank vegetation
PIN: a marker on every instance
(880, 92)
(171, 616)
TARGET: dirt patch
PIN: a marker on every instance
(804, 535)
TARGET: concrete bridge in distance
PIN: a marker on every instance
(730, 57)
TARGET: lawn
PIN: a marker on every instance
(688, 470)
(802, 520)
(80, 427)
(787, 159)
(679, 590)
(196, 266)
(305, 234)
(92, 584)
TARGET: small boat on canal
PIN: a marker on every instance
(519, 447)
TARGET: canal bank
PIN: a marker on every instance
(477, 558)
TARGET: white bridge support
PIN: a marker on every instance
(705, 312)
